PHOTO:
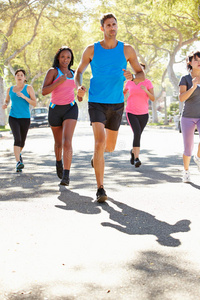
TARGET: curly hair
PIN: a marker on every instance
(56, 61)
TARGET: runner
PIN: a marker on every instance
(189, 93)
(63, 110)
(108, 60)
(22, 96)
(137, 112)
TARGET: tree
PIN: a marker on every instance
(21, 21)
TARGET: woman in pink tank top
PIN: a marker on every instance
(63, 110)
(137, 112)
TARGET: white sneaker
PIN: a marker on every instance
(197, 161)
(186, 176)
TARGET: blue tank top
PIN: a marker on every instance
(19, 107)
(106, 83)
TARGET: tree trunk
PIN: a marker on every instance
(2, 111)
(154, 112)
(172, 76)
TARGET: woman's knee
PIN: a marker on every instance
(67, 144)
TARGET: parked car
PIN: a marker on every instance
(39, 116)
(124, 119)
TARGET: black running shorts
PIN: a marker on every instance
(108, 114)
(60, 113)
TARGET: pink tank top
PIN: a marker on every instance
(64, 93)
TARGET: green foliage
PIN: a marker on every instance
(173, 107)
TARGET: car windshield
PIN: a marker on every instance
(38, 111)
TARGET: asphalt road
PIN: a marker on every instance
(57, 242)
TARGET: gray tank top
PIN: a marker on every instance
(191, 107)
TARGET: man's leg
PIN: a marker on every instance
(111, 140)
(99, 148)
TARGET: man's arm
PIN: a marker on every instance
(131, 57)
(85, 60)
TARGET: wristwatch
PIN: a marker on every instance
(133, 77)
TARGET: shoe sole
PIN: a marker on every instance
(102, 199)
(132, 159)
(19, 170)
(64, 183)
(92, 163)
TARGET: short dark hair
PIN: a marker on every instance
(143, 65)
(107, 16)
(56, 61)
(189, 58)
(20, 70)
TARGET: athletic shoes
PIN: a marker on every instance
(59, 169)
(65, 181)
(197, 161)
(186, 176)
(101, 195)
(132, 160)
(137, 162)
(92, 164)
(19, 165)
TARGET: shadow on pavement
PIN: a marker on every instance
(162, 276)
(39, 175)
(76, 202)
(136, 222)
(194, 185)
(150, 276)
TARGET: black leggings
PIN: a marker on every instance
(137, 123)
(19, 129)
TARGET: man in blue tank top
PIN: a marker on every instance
(108, 60)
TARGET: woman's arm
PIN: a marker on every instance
(32, 99)
(7, 100)
(184, 94)
(125, 91)
(149, 92)
(49, 85)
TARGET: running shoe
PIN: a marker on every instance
(65, 181)
(132, 160)
(59, 169)
(92, 164)
(186, 176)
(19, 170)
(19, 165)
(197, 161)
(101, 195)
(137, 162)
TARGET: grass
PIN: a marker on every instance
(5, 128)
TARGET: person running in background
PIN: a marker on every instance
(137, 112)
(189, 93)
(63, 110)
(108, 60)
(22, 96)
